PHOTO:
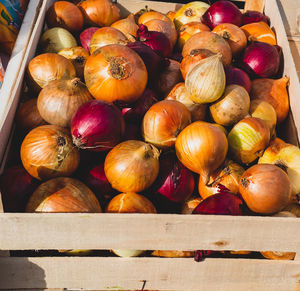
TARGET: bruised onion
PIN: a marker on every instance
(97, 126)
(265, 188)
(132, 166)
(202, 148)
(251, 16)
(238, 77)
(163, 122)
(127, 26)
(85, 37)
(47, 152)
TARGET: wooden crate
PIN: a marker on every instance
(24, 231)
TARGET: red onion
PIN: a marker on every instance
(86, 35)
(16, 186)
(156, 40)
(260, 59)
(150, 58)
(238, 77)
(132, 131)
(137, 110)
(174, 180)
(222, 12)
(251, 16)
(97, 126)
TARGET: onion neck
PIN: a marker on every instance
(189, 12)
(75, 82)
(119, 68)
(147, 151)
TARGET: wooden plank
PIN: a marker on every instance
(147, 232)
(159, 274)
(257, 5)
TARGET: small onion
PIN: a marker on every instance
(127, 26)
(189, 205)
(265, 188)
(202, 148)
(85, 37)
(47, 152)
(164, 121)
(238, 77)
(60, 99)
(132, 166)
(55, 39)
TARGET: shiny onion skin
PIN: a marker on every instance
(238, 77)
(66, 15)
(48, 67)
(251, 16)
(115, 73)
(63, 195)
(48, 152)
(265, 188)
(150, 15)
(97, 126)
(60, 99)
(85, 37)
(132, 166)
(202, 148)
(164, 121)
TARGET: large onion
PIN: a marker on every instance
(47, 152)
(97, 126)
(202, 148)
(132, 166)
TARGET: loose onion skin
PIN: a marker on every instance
(164, 121)
(127, 26)
(132, 166)
(238, 77)
(60, 99)
(66, 15)
(47, 152)
(63, 195)
(85, 37)
(265, 188)
(115, 73)
(48, 67)
(202, 148)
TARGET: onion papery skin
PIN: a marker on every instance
(164, 121)
(132, 166)
(209, 41)
(254, 16)
(16, 186)
(55, 39)
(60, 99)
(127, 26)
(259, 32)
(265, 188)
(63, 195)
(273, 92)
(222, 12)
(286, 155)
(48, 67)
(66, 15)
(202, 148)
(99, 13)
(106, 36)
(78, 56)
(115, 73)
(97, 126)
(150, 15)
(228, 175)
(189, 205)
(85, 37)
(248, 139)
(174, 180)
(180, 94)
(232, 106)
(238, 77)
(47, 152)
(260, 59)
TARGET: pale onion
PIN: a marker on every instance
(55, 39)
(248, 139)
(202, 148)
(179, 93)
(127, 26)
(232, 106)
(206, 81)
(288, 156)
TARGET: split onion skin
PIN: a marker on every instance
(115, 73)
(48, 152)
(265, 188)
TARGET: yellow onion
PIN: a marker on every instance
(206, 81)
(248, 139)
(55, 39)
(171, 14)
(152, 14)
(221, 127)
(232, 106)
(265, 111)
(202, 148)
(127, 26)
(286, 155)
(179, 93)
(189, 205)
(132, 166)
(190, 12)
